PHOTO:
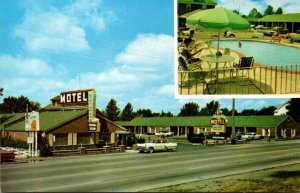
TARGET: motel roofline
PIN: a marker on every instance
(204, 121)
(288, 17)
(50, 120)
(208, 2)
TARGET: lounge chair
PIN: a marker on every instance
(245, 64)
(189, 57)
(193, 70)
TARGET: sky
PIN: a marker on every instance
(122, 48)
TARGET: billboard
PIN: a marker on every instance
(32, 122)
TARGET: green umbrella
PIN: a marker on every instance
(217, 19)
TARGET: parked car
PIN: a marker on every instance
(159, 144)
(250, 136)
(295, 37)
(265, 30)
(6, 155)
(247, 34)
(219, 136)
(164, 132)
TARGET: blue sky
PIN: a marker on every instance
(122, 48)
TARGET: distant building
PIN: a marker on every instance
(185, 6)
(290, 21)
(277, 126)
(281, 109)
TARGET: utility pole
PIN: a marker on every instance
(233, 122)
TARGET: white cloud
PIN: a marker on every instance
(166, 90)
(63, 30)
(88, 13)
(23, 66)
(148, 50)
(52, 30)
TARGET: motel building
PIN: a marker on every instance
(69, 122)
(277, 127)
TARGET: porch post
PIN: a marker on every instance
(276, 134)
(178, 130)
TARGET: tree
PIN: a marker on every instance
(112, 111)
(236, 11)
(269, 10)
(189, 109)
(254, 13)
(1, 91)
(211, 108)
(293, 107)
(266, 110)
(248, 112)
(144, 113)
(279, 11)
(127, 113)
(18, 105)
(225, 111)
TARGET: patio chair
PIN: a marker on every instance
(193, 70)
(189, 57)
(245, 64)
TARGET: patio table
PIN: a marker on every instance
(217, 59)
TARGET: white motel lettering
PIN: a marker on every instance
(74, 97)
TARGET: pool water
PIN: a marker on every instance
(266, 54)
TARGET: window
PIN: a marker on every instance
(61, 139)
(83, 138)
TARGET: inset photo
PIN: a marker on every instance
(233, 48)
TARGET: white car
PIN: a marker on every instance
(165, 133)
(157, 145)
(251, 136)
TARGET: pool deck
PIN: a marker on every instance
(285, 82)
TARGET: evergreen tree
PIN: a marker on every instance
(254, 13)
(112, 111)
(279, 11)
(1, 91)
(269, 10)
(127, 113)
(189, 109)
(144, 113)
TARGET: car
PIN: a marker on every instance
(164, 132)
(251, 135)
(158, 144)
(295, 37)
(6, 155)
(246, 34)
(265, 30)
(219, 136)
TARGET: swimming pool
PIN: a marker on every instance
(266, 54)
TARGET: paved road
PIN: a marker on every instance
(142, 171)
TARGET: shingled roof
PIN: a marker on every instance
(47, 120)
(204, 121)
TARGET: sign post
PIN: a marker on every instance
(32, 125)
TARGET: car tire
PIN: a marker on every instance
(141, 151)
(232, 35)
(151, 150)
